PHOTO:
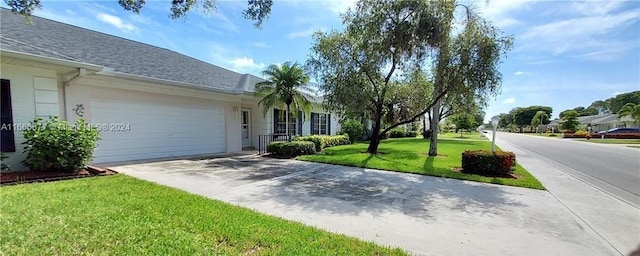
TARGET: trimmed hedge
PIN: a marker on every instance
(317, 141)
(619, 135)
(485, 162)
(629, 135)
(581, 133)
(321, 142)
(336, 140)
(397, 133)
(291, 149)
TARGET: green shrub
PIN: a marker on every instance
(55, 145)
(412, 134)
(485, 162)
(336, 140)
(581, 133)
(397, 133)
(3, 166)
(291, 149)
(321, 141)
(317, 141)
(353, 128)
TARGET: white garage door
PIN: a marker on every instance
(134, 131)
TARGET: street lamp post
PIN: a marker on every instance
(494, 121)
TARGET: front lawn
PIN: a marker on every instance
(464, 135)
(410, 155)
(120, 215)
(545, 134)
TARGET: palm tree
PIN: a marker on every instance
(538, 119)
(632, 110)
(283, 86)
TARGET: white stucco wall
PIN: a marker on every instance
(265, 123)
(23, 81)
(84, 90)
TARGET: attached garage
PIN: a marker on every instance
(148, 102)
(157, 127)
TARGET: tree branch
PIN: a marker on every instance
(415, 117)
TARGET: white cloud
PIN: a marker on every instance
(260, 45)
(117, 22)
(579, 35)
(610, 53)
(497, 11)
(224, 23)
(521, 73)
(595, 7)
(246, 64)
(305, 33)
(509, 100)
(507, 22)
(340, 6)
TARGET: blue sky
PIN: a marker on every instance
(566, 53)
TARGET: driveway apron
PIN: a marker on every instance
(421, 214)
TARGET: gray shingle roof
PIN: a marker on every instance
(53, 39)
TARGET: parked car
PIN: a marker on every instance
(620, 130)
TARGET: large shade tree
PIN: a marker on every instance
(570, 121)
(467, 62)
(582, 111)
(522, 116)
(540, 118)
(358, 68)
(257, 10)
(632, 110)
(284, 86)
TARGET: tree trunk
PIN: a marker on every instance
(425, 131)
(375, 136)
(435, 119)
(287, 122)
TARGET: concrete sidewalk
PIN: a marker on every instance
(424, 215)
(614, 221)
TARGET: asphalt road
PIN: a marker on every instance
(613, 168)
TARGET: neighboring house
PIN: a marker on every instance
(148, 102)
(598, 123)
(604, 122)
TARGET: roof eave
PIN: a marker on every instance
(111, 73)
(49, 60)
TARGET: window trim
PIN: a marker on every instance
(294, 122)
(316, 123)
(8, 143)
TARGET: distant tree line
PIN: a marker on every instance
(611, 105)
(523, 119)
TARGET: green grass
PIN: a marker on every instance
(465, 135)
(120, 215)
(550, 135)
(612, 141)
(410, 155)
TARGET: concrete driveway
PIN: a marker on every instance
(424, 215)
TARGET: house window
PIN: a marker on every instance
(6, 134)
(320, 124)
(280, 122)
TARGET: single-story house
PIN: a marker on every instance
(148, 102)
(605, 122)
(601, 122)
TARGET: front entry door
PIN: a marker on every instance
(246, 128)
